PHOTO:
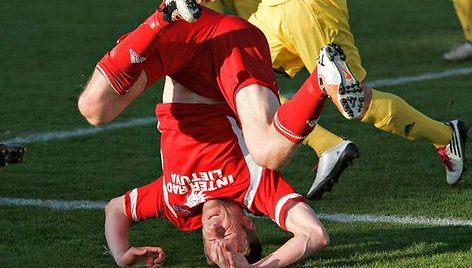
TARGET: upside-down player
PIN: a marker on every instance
(225, 90)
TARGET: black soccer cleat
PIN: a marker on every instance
(187, 10)
(11, 154)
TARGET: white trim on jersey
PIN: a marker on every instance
(280, 205)
(110, 83)
(255, 170)
(133, 200)
(164, 188)
(166, 196)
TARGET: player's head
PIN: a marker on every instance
(225, 224)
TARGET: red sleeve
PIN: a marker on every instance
(142, 203)
(272, 197)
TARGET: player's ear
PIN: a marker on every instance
(249, 224)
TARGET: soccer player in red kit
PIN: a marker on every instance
(224, 136)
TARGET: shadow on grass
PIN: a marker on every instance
(380, 243)
(369, 245)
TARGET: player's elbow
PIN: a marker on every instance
(88, 109)
(318, 239)
(112, 206)
(323, 240)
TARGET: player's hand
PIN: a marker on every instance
(224, 257)
(152, 257)
(11, 154)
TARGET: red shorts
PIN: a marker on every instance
(214, 57)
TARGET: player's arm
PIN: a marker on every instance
(309, 236)
(100, 104)
(117, 229)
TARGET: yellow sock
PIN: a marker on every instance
(320, 139)
(392, 114)
(464, 13)
(283, 99)
(216, 5)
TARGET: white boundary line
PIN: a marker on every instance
(78, 132)
(418, 78)
(58, 135)
(53, 204)
(338, 217)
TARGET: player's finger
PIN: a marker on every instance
(218, 250)
(230, 259)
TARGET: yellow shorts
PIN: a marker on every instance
(243, 8)
(297, 29)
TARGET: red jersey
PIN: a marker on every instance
(205, 157)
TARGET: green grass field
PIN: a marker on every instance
(49, 49)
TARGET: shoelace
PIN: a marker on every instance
(442, 152)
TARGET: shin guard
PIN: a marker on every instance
(297, 117)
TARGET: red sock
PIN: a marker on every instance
(297, 118)
(124, 63)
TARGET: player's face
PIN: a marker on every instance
(223, 223)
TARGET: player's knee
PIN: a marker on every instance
(267, 160)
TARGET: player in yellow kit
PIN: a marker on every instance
(463, 50)
(334, 152)
(296, 30)
(244, 8)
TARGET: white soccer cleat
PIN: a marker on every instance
(187, 10)
(337, 81)
(453, 155)
(331, 165)
(459, 52)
